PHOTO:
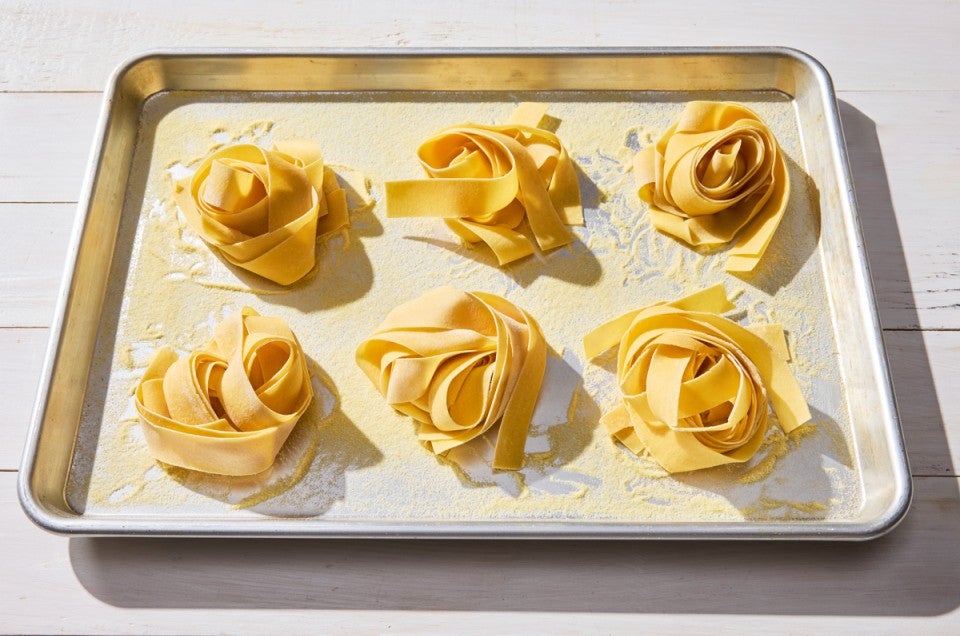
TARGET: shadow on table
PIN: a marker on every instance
(914, 571)
(920, 412)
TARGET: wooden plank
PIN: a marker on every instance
(32, 253)
(908, 582)
(925, 367)
(75, 46)
(44, 143)
(23, 351)
(905, 158)
(902, 169)
(905, 151)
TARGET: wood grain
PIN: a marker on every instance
(75, 46)
(908, 582)
(899, 86)
(44, 142)
(905, 158)
(925, 367)
(901, 168)
(31, 260)
(19, 375)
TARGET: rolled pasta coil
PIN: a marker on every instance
(459, 362)
(262, 210)
(228, 407)
(717, 174)
(696, 386)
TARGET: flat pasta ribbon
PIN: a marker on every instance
(228, 407)
(484, 180)
(458, 362)
(695, 386)
(262, 210)
(716, 173)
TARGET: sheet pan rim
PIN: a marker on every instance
(42, 515)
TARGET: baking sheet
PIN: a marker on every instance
(353, 466)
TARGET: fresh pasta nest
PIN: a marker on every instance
(459, 362)
(485, 180)
(716, 174)
(695, 386)
(228, 407)
(262, 210)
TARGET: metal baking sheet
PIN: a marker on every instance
(135, 277)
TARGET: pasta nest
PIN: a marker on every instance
(696, 386)
(717, 173)
(228, 407)
(485, 180)
(262, 210)
(459, 362)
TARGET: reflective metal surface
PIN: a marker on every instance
(878, 440)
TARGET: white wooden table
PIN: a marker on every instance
(897, 71)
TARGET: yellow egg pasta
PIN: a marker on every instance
(262, 210)
(458, 362)
(716, 174)
(228, 407)
(695, 386)
(485, 180)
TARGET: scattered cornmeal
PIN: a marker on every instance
(262, 210)
(695, 385)
(484, 180)
(458, 362)
(716, 173)
(228, 407)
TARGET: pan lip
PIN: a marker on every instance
(64, 523)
